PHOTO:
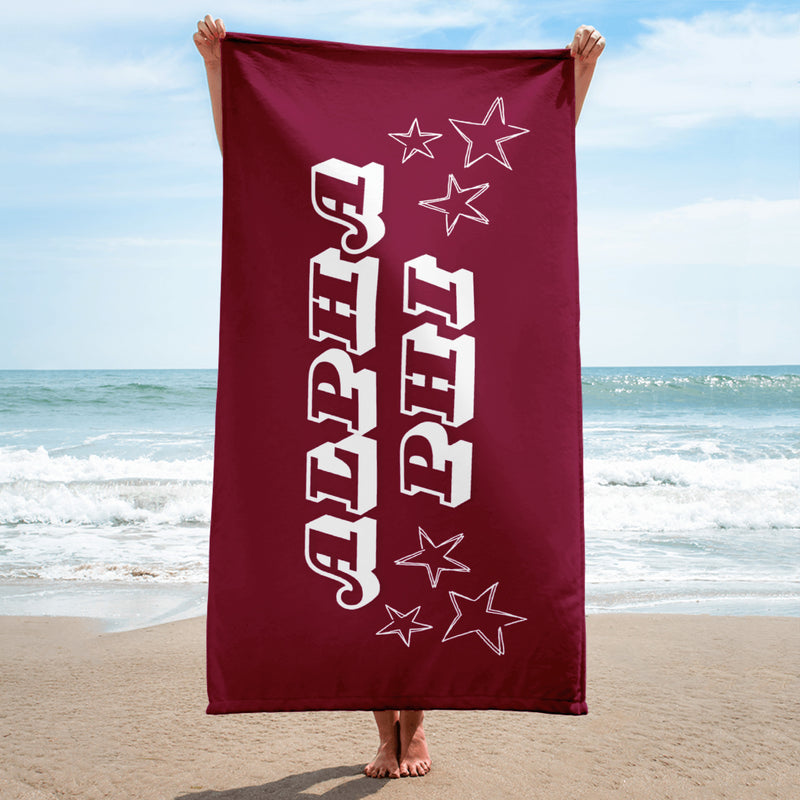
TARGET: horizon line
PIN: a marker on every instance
(216, 369)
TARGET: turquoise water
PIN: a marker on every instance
(692, 480)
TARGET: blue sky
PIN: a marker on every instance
(688, 172)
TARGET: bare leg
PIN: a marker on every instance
(385, 763)
(414, 758)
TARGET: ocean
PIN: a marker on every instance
(692, 491)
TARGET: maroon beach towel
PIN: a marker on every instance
(397, 514)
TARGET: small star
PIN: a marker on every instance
(487, 137)
(403, 624)
(434, 556)
(415, 141)
(474, 615)
(455, 204)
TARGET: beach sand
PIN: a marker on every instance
(679, 707)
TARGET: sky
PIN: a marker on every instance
(688, 158)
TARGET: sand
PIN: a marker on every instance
(679, 707)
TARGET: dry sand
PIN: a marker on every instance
(679, 707)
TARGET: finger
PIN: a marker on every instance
(591, 43)
(215, 26)
(203, 29)
(221, 28)
(203, 46)
(586, 32)
(573, 45)
(601, 45)
(210, 28)
(578, 40)
(597, 49)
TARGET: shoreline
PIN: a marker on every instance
(679, 706)
(125, 606)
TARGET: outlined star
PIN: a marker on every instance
(486, 138)
(415, 141)
(454, 204)
(434, 557)
(403, 624)
(476, 615)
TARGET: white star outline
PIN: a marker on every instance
(500, 647)
(453, 542)
(414, 627)
(495, 107)
(451, 181)
(412, 131)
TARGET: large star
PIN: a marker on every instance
(415, 141)
(459, 204)
(476, 615)
(403, 624)
(485, 139)
(434, 557)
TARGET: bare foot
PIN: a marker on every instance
(414, 758)
(385, 763)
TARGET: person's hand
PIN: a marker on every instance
(207, 39)
(587, 45)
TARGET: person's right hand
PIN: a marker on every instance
(207, 39)
(587, 45)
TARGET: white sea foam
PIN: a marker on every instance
(668, 520)
(37, 487)
(92, 553)
(39, 465)
(196, 572)
(118, 502)
(103, 518)
(668, 493)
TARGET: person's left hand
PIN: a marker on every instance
(587, 45)
(207, 39)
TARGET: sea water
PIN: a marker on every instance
(692, 491)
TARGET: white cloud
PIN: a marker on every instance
(678, 74)
(730, 233)
(714, 282)
(686, 73)
(108, 244)
(355, 16)
(413, 15)
(111, 67)
(82, 73)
